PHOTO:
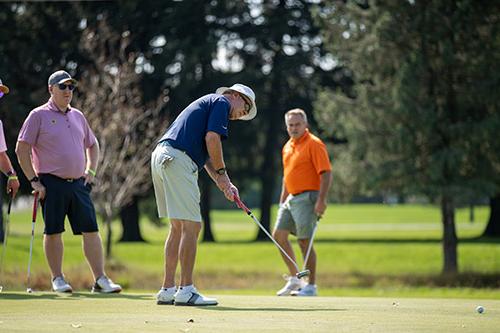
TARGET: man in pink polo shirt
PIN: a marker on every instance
(5, 164)
(58, 153)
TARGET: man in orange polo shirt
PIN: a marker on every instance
(306, 180)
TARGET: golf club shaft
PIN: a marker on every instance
(35, 202)
(309, 247)
(245, 208)
(274, 241)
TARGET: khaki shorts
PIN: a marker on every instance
(297, 214)
(175, 180)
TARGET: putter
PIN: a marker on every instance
(33, 220)
(309, 247)
(240, 204)
(5, 234)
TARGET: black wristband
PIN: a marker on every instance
(34, 179)
(221, 171)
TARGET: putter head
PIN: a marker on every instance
(303, 273)
(29, 290)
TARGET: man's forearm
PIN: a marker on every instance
(23, 152)
(211, 171)
(324, 185)
(214, 148)
(5, 165)
(93, 157)
(284, 192)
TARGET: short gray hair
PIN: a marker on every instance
(296, 112)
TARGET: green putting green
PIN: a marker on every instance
(130, 312)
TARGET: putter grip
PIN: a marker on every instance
(35, 205)
(241, 205)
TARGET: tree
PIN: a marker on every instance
(126, 128)
(276, 47)
(424, 110)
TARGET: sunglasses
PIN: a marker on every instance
(63, 86)
(248, 105)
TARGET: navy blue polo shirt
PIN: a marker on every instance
(187, 132)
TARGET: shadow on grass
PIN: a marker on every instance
(229, 308)
(43, 295)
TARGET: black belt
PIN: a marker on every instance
(69, 180)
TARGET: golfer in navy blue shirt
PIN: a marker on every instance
(192, 142)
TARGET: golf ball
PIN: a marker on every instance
(480, 309)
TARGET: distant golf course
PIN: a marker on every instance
(378, 270)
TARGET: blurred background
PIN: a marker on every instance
(404, 93)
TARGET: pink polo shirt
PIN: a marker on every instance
(3, 145)
(58, 140)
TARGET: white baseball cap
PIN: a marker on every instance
(4, 88)
(248, 92)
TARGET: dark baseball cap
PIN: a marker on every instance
(61, 77)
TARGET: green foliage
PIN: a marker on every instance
(424, 118)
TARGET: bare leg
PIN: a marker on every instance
(187, 250)
(92, 248)
(311, 262)
(172, 253)
(281, 236)
(54, 248)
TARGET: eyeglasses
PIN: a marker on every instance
(248, 105)
(63, 86)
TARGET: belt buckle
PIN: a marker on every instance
(69, 180)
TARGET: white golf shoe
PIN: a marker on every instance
(166, 296)
(307, 290)
(106, 286)
(189, 296)
(293, 284)
(60, 285)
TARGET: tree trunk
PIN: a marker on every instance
(449, 235)
(129, 216)
(2, 232)
(493, 227)
(108, 237)
(271, 151)
(205, 208)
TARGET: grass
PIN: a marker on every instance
(137, 312)
(366, 250)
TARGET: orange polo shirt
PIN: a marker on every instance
(304, 159)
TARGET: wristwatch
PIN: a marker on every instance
(11, 173)
(221, 171)
(34, 179)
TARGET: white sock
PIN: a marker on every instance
(170, 289)
(186, 289)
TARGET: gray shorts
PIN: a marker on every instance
(297, 214)
(175, 181)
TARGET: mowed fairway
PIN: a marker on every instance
(84, 312)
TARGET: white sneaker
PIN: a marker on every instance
(166, 296)
(293, 284)
(105, 285)
(308, 290)
(60, 285)
(191, 297)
